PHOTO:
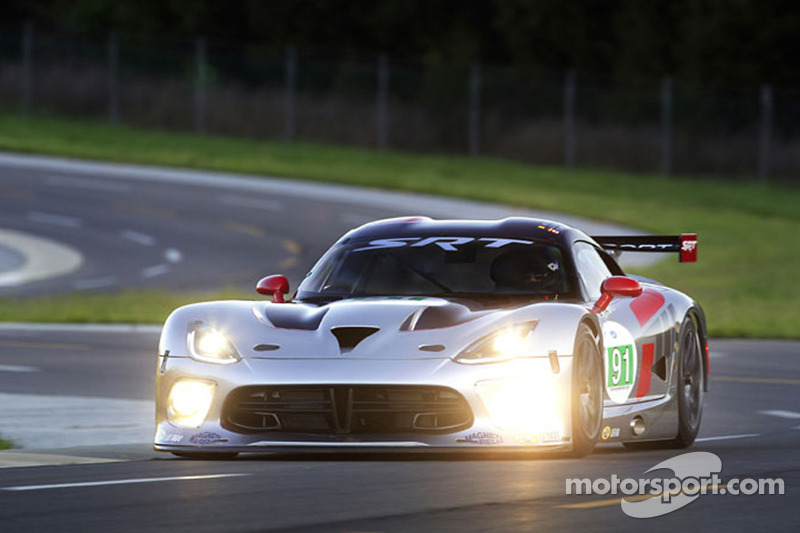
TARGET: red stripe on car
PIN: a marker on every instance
(647, 305)
(648, 353)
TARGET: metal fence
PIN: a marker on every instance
(658, 126)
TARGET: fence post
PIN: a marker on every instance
(765, 137)
(290, 86)
(475, 109)
(201, 75)
(569, 119)
(113, 78)
(27, 67)
(666, 126)
(382, 112)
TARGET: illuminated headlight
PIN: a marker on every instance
(189, 402)
(210, 345)
(525, 405)
(502, 345)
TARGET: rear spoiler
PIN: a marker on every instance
(684, 244)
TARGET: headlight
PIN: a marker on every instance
(189, 402)
(507, 343)
(210, 345)
(523, 404)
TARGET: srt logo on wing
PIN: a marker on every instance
(447, 244)
(688, 246)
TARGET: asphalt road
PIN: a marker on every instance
(189, 230)
(143, 228)
(751, 422)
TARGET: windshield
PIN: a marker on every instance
(438, 266)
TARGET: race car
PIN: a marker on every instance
(414, 334)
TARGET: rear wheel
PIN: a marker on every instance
(689, 381)
(587, 392)
(690, 385)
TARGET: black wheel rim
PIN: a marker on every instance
(691, 377)
(589, 388)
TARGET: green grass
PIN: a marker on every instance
(749, 234)
(128, 306)
(5, 445)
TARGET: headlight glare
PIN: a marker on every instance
(502, 345)
(527, 404)
(210, 345)
(189, 402)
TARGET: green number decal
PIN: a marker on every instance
(620, 366)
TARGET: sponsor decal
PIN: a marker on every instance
(168, 438)
(537, 438)
(527, 439)
(484, 438)
(620, 361)
(206, 437)
(448, 244)
(688, 248)
(609, 433)
(549, 229)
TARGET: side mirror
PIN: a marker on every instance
(616, 286)
(275, 286)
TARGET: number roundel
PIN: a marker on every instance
(621, 362)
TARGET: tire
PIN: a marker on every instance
(587, 392)
(206, 456)
(689, 382)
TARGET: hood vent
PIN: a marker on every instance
(294, 316)
(349, 337)
(438, 317)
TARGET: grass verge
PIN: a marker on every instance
(749, 234)
(5, 445)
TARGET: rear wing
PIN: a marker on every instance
(684, 244)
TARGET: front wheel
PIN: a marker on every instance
(587, 392)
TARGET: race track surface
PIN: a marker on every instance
(81, 398)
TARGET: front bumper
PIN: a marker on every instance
(543, 409)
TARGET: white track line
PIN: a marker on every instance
(82, 183)
(138, 238)
(119, 482)
(18, 368)
(728, 437)
(56, 220)
(156, 270)
(791, 415)
(173, 256)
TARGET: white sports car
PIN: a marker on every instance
(415, 334)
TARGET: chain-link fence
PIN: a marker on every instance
(657, 126)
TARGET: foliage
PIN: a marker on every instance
(749, 234)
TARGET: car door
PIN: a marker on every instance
(637, 333)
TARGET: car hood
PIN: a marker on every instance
(371, 328)
(402, 327)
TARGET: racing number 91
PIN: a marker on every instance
(620, 366)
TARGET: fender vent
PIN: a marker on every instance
(349, 337)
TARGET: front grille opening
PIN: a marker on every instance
(345, 409)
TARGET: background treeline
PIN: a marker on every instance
(704, 42)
